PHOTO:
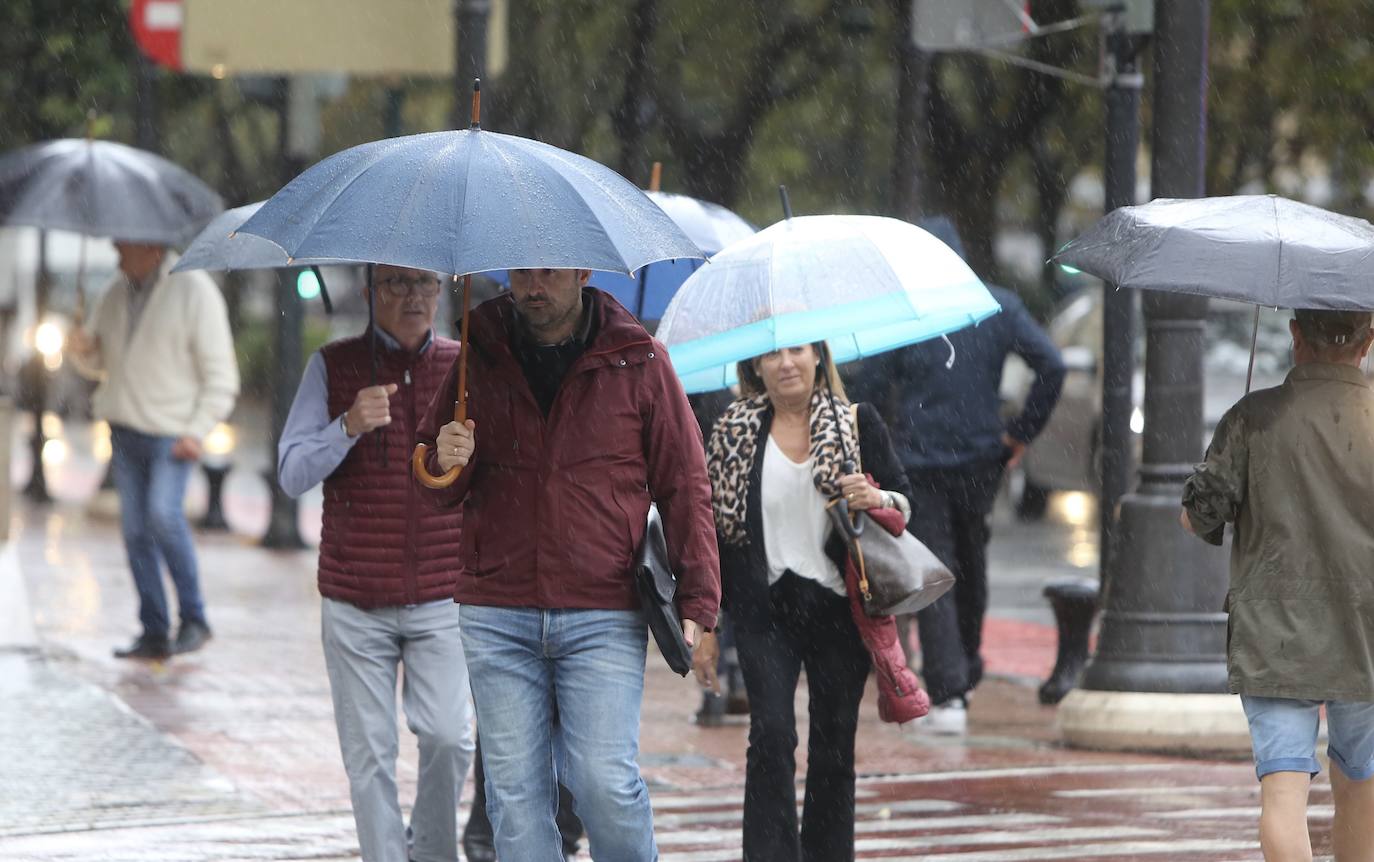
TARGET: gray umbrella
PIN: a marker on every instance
(100, 188)
(219, 247)
(1261, 249)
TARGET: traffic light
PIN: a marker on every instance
(307, 284)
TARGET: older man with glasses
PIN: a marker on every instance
(387, 598)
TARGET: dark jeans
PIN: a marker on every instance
(478, 828)
(811, 628)
(151, 485)
(949, 513)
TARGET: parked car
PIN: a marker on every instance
(1066, 456)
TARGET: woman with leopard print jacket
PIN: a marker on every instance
(776, 457)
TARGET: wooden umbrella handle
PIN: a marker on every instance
(460, 407)
(417, 458)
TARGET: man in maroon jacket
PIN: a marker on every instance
(387, 598)
(576, 422)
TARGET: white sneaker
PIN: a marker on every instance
(948, 719)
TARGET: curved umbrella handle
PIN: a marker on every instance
(417, 458)
(460, 407)
(417, 463)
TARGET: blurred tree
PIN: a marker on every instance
(1292, 96)
(54, 72)
(982, 114)
(725, 67)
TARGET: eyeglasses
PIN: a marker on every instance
(399, 287)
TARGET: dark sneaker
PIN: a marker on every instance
(478, 850)
(192, 637)
(147, 646)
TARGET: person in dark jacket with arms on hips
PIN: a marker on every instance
(576, 423)
(777, 457)
(1292, 469)
(941, 399)
(387, 599)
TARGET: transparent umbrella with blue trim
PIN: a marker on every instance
(864, 284)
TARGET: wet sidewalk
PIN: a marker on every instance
(231, 753)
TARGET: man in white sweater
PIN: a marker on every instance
(160, 345)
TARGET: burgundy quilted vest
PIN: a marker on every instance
(381, 545)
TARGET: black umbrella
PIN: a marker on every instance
(100, 188)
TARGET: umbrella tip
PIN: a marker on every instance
(786, 202)
(290, 260)
(476, 103)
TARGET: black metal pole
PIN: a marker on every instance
(391, 116)
(470, 56)
(37, 488)
(911, 136)
(145, 111)
(283, 527)
(1119, 306)
(1163, 629)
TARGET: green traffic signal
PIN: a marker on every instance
(307, 284)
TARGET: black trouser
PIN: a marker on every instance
(478, 829)
(949, 513)
(811, 628)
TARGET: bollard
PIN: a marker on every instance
(214, 506)
(1074, 601)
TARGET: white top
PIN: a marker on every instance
(795, 525)
(173, 371)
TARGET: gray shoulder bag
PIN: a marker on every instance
(897, 574)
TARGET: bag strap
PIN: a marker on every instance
(858, 451)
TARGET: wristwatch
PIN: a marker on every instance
(343, 423)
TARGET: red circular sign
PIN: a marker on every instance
(156, 25)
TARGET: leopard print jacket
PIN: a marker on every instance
(735, 444)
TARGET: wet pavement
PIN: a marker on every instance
(231, 754)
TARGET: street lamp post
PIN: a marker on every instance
(1118, 306)
(1163, 629)
(1158, 679)
(283, 528)
(36, 381)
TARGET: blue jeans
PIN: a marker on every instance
(586, 667)
(152, 487)
(1283, 733)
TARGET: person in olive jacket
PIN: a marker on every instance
(576, 423)
(1292, 469)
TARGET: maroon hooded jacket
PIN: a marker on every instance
(554, 509)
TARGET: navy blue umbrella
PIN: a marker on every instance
(647, 293)
(101, 188)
